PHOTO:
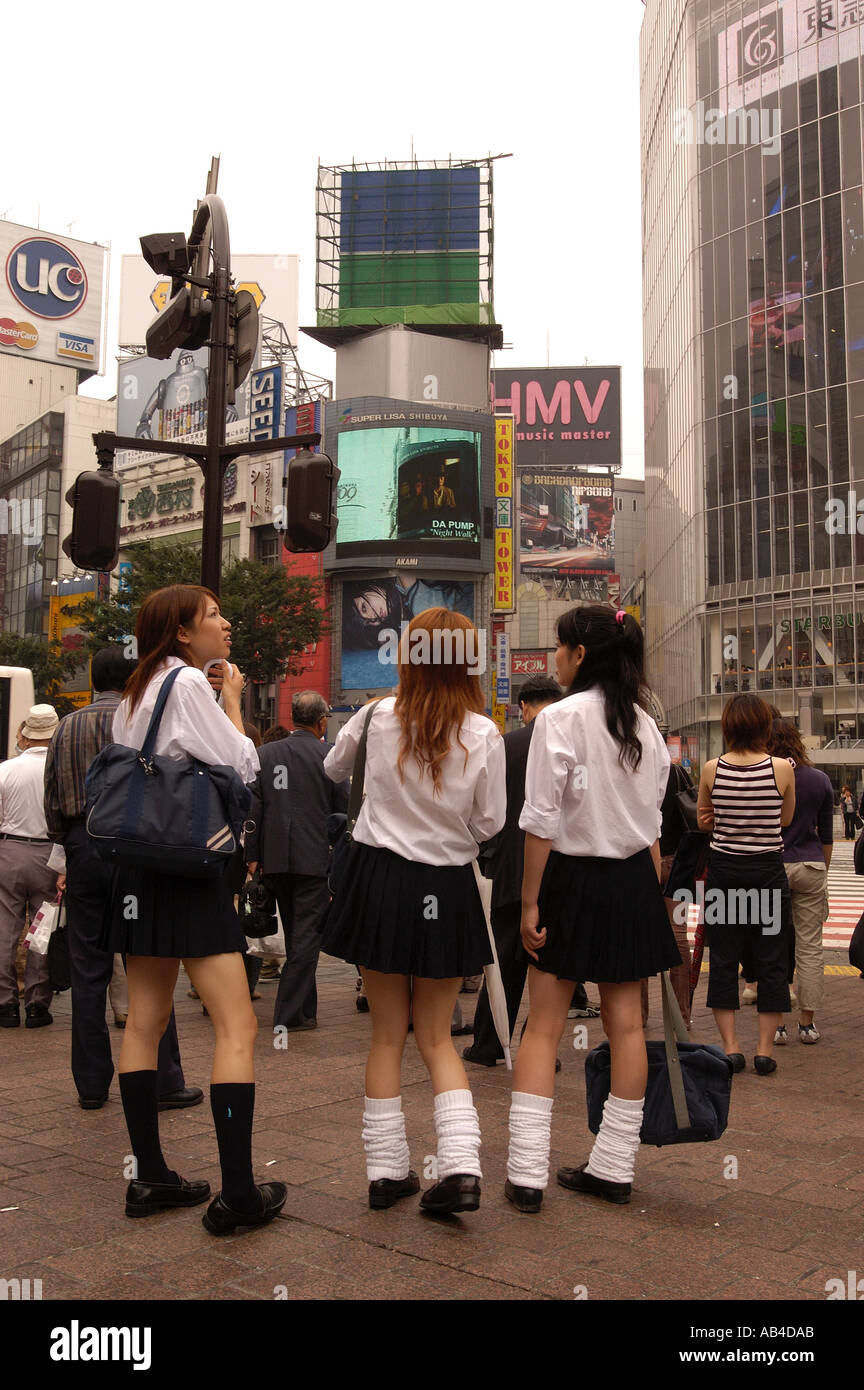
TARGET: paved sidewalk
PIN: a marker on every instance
(790, 1220)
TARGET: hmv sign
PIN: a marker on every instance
(565, 417)
(51, 297)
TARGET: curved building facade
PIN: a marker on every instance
(753, 272)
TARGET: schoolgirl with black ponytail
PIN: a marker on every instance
(591, 902)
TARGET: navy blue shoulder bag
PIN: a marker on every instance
(161, 814)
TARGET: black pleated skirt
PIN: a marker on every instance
(165, 915)
(402, 918)
(605, 919)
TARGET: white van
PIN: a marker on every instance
(16, 700)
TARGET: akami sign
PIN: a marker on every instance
(52, 280)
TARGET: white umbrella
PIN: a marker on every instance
(494, 983)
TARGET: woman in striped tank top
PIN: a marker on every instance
(745, 798)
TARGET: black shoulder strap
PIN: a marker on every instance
(156, 717)
(358, 776)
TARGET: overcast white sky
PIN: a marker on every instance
(112, 111)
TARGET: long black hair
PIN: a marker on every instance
(614, 660)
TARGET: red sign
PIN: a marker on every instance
(529, 664)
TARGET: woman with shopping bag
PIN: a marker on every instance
(406, 908)
(158, 919)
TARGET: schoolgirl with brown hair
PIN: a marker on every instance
(157, 920)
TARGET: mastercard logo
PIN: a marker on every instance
(22, 335)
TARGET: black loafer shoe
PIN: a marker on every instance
(92, 1102)
(37, 1016)
(220, 1220)
(764, 1065)
(577, 1180)
(181, 1100)
(471, 1054)
(10, 1016)
(459, 1192)
(523, 1198)
(383, 1192)
(738, 1060)
(145, 1198)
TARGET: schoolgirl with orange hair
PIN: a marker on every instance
(407, 910)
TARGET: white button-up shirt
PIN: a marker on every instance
(193, 725)
(22, 795)
(406, 817)
(577, 793)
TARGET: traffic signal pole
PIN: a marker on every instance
(211, 217)
(190, 319)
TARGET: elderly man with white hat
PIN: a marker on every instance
(25, 879)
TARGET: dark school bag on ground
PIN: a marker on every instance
(689, 1084)
(161, 814)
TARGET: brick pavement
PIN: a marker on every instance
(790, 1221)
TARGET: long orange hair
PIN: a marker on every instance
(434, 696)
(160, 615)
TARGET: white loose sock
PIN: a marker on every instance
(458, 1129)
(384, 1139)
(530, 1138)
(613, 1156)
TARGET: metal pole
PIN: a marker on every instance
(212, 211)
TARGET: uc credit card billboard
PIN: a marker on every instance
(412, 479)
(51, 297)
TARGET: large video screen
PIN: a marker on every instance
(410, 478)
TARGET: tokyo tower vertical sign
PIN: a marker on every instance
(504, 542)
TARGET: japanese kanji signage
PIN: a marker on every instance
(775, 45)
(176, 495)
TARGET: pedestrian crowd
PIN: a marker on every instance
(371, 849)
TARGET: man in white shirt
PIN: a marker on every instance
(25, 879)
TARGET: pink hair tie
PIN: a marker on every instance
(620, 615)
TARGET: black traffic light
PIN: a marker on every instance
(165, 252)
(94, 541)
(243, 327)
(185, 320)
(183, 323)
(309, 521)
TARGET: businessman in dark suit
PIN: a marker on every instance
(291, 800)
(501, 860)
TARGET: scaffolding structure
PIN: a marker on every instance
(299, 387)
(405, 242)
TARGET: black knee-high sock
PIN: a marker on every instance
(138, 1091)
(233, 1104)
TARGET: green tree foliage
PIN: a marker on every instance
(273, 614)
(50, 664)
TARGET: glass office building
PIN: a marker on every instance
(753, 256)
(30, 478)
